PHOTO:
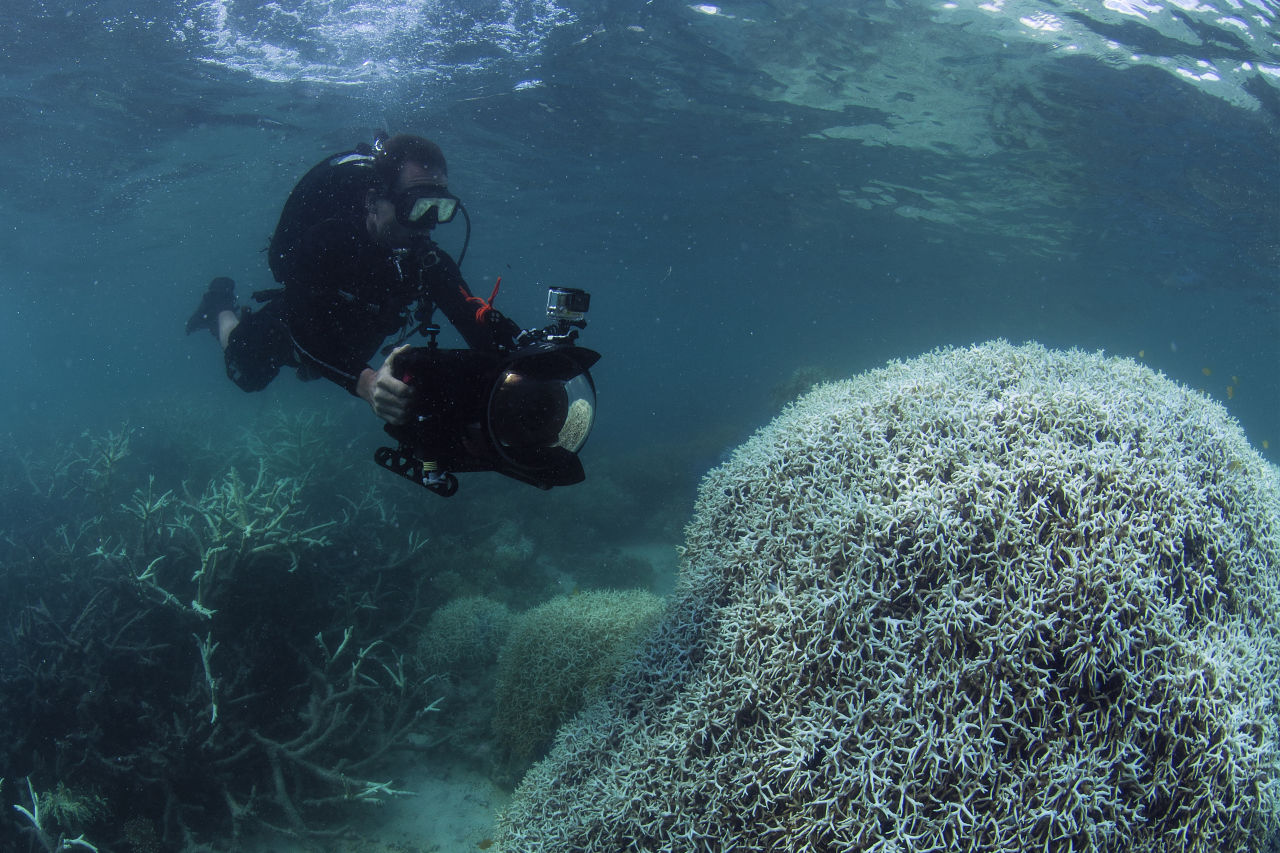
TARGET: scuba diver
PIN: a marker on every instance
(354, 255)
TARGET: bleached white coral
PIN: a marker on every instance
(999, 598)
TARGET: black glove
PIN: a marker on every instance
(221, 296)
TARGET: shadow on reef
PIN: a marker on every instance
(208, 632)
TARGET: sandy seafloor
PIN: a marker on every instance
(452, 809)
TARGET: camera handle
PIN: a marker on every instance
(402, 461)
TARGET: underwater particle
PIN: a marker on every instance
(1231, 392)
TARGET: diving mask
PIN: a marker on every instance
(425, 207)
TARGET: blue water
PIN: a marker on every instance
(746, 189)
(752, 192)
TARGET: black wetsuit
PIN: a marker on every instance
(343, 293)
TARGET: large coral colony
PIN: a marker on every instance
(998, 598)
(992, 599)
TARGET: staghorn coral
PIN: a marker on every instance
(465, 634)
(994, 599)
(210, 666)
(59, 808)
(558, 657)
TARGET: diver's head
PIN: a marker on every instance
(391, 155)
(412, 195)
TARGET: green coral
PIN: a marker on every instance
(71, 809)
(559, 656)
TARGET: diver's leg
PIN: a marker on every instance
(216, 310)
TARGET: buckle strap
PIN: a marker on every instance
(484, 306)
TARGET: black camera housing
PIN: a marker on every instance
(524, 414)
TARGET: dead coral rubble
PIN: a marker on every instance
(992, 599)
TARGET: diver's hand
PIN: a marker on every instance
(386, 395)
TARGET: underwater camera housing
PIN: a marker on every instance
(524, 413)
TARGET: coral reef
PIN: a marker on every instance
(991, 599)
(464, 634)
(458, 653)
(205, 656)
(558, 657)
(211, 620)
(58, 808)
(496, 559)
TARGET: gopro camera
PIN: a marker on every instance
(567, 305)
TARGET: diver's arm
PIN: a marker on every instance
(481, 326)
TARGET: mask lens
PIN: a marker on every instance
(445, 208)
(425, 207)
